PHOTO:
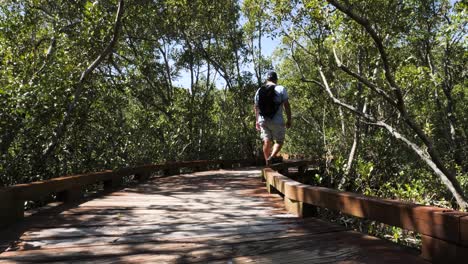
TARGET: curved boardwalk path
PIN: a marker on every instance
(223, 216)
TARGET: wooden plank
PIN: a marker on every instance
(443, 252)
(233, 234)
(172, 230)
(300, 209)
(56, 221)
(464, 231)
(288, 164)
(336, 246)
(11, 209)
(168, 228)
(94, 252)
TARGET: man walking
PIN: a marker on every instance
(270, 99)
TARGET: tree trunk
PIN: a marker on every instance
(61, 128)
(431, 156)
(362, 104)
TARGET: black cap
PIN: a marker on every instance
(272, 76)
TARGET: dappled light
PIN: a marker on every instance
(233, 131)
(209, 216)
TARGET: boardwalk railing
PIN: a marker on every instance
(71, 188)
(444, 232)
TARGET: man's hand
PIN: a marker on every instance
(257, 126)
(288, 123)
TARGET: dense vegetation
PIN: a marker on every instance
(378, 88)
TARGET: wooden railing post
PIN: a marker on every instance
(271, 189)
(70, 195)
(171, 171)
(226, 164)
(199, 168)
(440, 251)
(446, 241)
(142, 176)
(113, 183)
(11, 209)
(300, 209)
(283, 171)
(301, 170)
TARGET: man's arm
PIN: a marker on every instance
(287, 108)
(257, 126)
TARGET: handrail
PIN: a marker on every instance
(70, 188)
(288, 164)
(444, 232)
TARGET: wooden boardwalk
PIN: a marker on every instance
(223, 216)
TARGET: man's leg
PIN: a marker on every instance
(266, 149)
(276, 148)
(278, 133)
(267, 138)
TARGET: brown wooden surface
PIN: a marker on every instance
(440, 251)
(291, 163)
(70, 188)
(428, 220)
(39, 189)
(464, 230)
(215, 216)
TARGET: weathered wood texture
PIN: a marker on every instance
(204, 217)
(288, 164)
(70, 188)
(445, 230)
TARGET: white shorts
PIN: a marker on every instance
(272, 131)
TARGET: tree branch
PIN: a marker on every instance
(50, 51)
(61, 128)
(338, 102)
(446, 175)
(426, 156)
(364, 22)
(363, 80)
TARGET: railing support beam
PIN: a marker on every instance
(440, 251)
(302, 210)
(171, 171)
(71, 195)
(226, 165)
(272, 190)
(113, 183)
(11, 209)
(142, 176)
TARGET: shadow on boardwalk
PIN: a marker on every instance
(216, 216)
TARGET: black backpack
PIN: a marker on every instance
(266, 101)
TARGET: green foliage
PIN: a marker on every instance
(131, 112)
(424, 52)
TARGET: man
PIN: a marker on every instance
(272, 126)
